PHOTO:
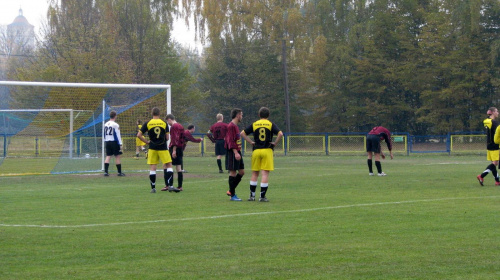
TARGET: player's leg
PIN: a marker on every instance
(492, 156)
(264, 185)
(118, 163)
(378, 164)
(168, 171)
(267, 165)
(253, 184)
(153, 161)
(178, 167)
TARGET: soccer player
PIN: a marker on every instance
(189, 137)
(158, 134)
(139, 145)
(216, 134)
(234, 160)
(114, 144)
(175, 148)
(373, 139)
(262, 155)
(490, 126)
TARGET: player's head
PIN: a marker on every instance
(138, 121)
(112, 114)
(264, 113)
(492, 111)
(155, 112)
(170, 117)
(235, 112)
(220, 117)
(191, 128)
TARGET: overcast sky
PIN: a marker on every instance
(36, 10)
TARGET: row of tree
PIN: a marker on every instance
(418, 66)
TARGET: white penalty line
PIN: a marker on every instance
(254, 213)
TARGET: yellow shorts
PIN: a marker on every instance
(139, 143)
(154, 156)
(493, 155)
(262, 159)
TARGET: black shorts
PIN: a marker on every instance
(232, 163)
(373, 143)
(179, 155)
(220, 150)
(113, 148)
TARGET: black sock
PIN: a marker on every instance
(237, 180)
(152, 180)
(379, 166)
(494, 172)
(263, 191)
(370, 167)
(219, 163)
(231, 185)
(119, 167)
(169, 177)
(180, 179)
(252, 190)
(106, 167)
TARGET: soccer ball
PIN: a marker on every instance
(87, 155)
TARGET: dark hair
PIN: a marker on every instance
(191, 126)
(264, 112)
(235, 112)
(112, 114)
(139, 121)
(170, 117)
(155, 111)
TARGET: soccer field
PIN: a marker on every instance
(326, 219)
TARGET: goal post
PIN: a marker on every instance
(62, 123)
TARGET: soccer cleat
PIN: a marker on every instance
(263, 199)
(235, 198)
(252, 198)
(220, 171)
(153, 190)
(228, 193)
(480, 179)
(172, 189)
(106, 174)
(382, 174)
(164, 189)
(180, 189)
(371, 174)
(121, 174)
(497, 183)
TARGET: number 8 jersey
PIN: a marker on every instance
(157, 132)
(263, 131)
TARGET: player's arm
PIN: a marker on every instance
(245, 136)
(278, 139)
(141, 137)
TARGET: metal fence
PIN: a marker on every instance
(291, 144)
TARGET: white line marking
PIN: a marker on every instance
(254, 213)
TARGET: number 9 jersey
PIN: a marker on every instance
(157, 131)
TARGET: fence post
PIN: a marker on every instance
(326, 143)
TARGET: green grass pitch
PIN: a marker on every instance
(326, 219)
